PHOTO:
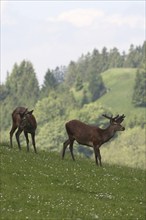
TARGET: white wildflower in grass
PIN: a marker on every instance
(104, 196)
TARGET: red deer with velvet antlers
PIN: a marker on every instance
(90, 135)
(25, 121)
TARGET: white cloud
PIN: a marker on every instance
(131, 21)
(78, 17)
(86, 17)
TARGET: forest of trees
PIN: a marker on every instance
(84, 74)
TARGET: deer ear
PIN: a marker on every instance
(30, 112)
(26, 110)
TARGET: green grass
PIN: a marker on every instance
(44, 187)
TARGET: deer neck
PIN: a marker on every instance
(108, 133)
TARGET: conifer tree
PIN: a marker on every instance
(49, 84)
(139, 94)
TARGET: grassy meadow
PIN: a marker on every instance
(44, 187)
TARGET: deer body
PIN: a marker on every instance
(90, 135)
(23, 120)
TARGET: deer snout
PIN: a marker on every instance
(123, 128)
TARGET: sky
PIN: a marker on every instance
(53, 33)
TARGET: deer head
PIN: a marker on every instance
(116, 121)
(25, 118)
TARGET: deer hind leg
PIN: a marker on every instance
(17, 137)
(13, 129)
(71, 149)
(65, 144)
(27, 140)
(33, 142)
(99, 157)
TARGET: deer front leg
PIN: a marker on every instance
(33, 141)
(27, 140)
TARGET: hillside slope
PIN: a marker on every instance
(120, 83)
(44, 187)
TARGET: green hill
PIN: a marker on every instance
(44, 187)
(120, 83)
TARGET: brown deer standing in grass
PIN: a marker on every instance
(90, 135)
(25, 121)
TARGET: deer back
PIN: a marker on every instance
(16, 118)
(82, 132)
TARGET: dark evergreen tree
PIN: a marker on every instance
(134, 57)
(59, 74)
(79, 84)
(96, 86)
(85, 98)
(143, 59)
(95, 63)
(3, 92)
(50, 82)
(82, 66)
(139, 94)
(104, 59)
(115, 59)
(71, 73)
